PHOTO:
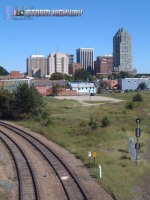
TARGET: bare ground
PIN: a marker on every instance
(89, 98)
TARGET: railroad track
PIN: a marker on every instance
(26, 179)
(69, 182)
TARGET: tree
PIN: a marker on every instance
(137, 76)
(83, 75)
(106, 85)
(68, 78)
(142, 86)
(137, 97)
(3, 71)
(125, 75)
(57, 76)
(99, 91)
(113, 76)
(55, 88)
(6, 104)
(27, 100)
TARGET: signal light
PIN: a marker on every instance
(138, 132)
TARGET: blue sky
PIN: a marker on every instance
(99, 22)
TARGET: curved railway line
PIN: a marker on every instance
(26, 178)
(28, 188)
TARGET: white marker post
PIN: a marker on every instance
(100, 171)
(89, 155)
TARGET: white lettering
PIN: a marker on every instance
(53, 13)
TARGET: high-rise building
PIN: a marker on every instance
(37, 66)
(58, 62)
(85, 56)
(71, 58)
(103, 64)
(122, 51)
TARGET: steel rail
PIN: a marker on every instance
(112, 194)
(52, 152)
(17, 168)
(18, 171)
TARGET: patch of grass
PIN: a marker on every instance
(71, 129)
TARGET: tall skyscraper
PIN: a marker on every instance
(85, 56)
(36, 66)
(58, 62)
(122, 51)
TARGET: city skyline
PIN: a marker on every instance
(95, 28)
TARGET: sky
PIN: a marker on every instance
(95, 28)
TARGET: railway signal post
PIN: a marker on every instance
(137, 134)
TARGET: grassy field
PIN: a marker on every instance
(78, 128)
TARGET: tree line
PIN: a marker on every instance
(80, 75)
(25, 101)
(3, 71)
(85, 75)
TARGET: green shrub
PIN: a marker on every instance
(129, 105)
(105, 121)
(92, 123)
(137, 97)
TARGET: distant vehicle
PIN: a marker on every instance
(50, 95)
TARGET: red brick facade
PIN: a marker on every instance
(73, 67)
(103, 64)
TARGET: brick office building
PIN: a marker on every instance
(73, 67)
(103, 64)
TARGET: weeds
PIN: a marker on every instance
(105, 121)
(78, 129)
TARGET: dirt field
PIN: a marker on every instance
(89, 98)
